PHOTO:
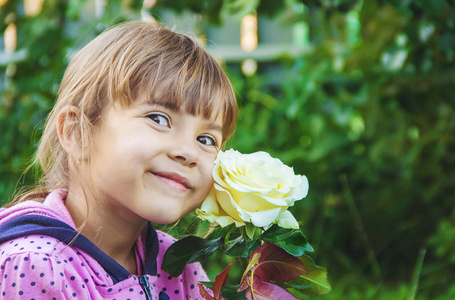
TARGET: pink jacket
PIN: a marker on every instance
(36, 261)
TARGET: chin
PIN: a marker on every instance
(165, 220)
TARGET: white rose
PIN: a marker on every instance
(255, 188)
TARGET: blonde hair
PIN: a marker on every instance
(121, 64)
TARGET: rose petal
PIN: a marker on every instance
(253, 188)
(228, 204)
(287, 220)
(283, 202)
(218, 175)
(230, 181)
(259, 219)
(264, 218)
(253, 202)
(301, 187)
(212, 212)
(226, 220)
(210, 204)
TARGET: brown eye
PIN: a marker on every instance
(160, 119)
(207, 140)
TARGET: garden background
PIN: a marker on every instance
(360, 99)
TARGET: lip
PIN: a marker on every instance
(174, 179)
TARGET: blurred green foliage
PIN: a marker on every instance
(367, 114)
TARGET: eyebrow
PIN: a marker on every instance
(216, 127)
(165, 104)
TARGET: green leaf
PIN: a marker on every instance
(217, 232)
(314, 283)
(187, 250)
(250, 229)
(291, 240)
(241, 248)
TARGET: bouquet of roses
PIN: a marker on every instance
(250, 201)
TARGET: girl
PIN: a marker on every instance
(141, 114)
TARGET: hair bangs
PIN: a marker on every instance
(186, 77)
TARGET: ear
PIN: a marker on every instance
(68, 130)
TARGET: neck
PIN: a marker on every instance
(111, 232)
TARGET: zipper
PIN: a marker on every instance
(145, 285)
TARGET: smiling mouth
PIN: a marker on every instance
(174, 180)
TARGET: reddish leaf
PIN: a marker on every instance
(267, 291)
(243, 285)
(254, 260)
(220, 281)
(204, 293)
(276, 264)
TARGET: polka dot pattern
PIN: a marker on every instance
(61, 272)
(42, 267)
(34, 272)
(184, 286)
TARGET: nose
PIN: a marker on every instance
(185, 153)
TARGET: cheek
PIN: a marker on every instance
(209, 185)
(207, 179)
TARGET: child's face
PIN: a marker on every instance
(151, 162)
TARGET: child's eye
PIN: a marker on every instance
(207, 140)
(159, 119)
